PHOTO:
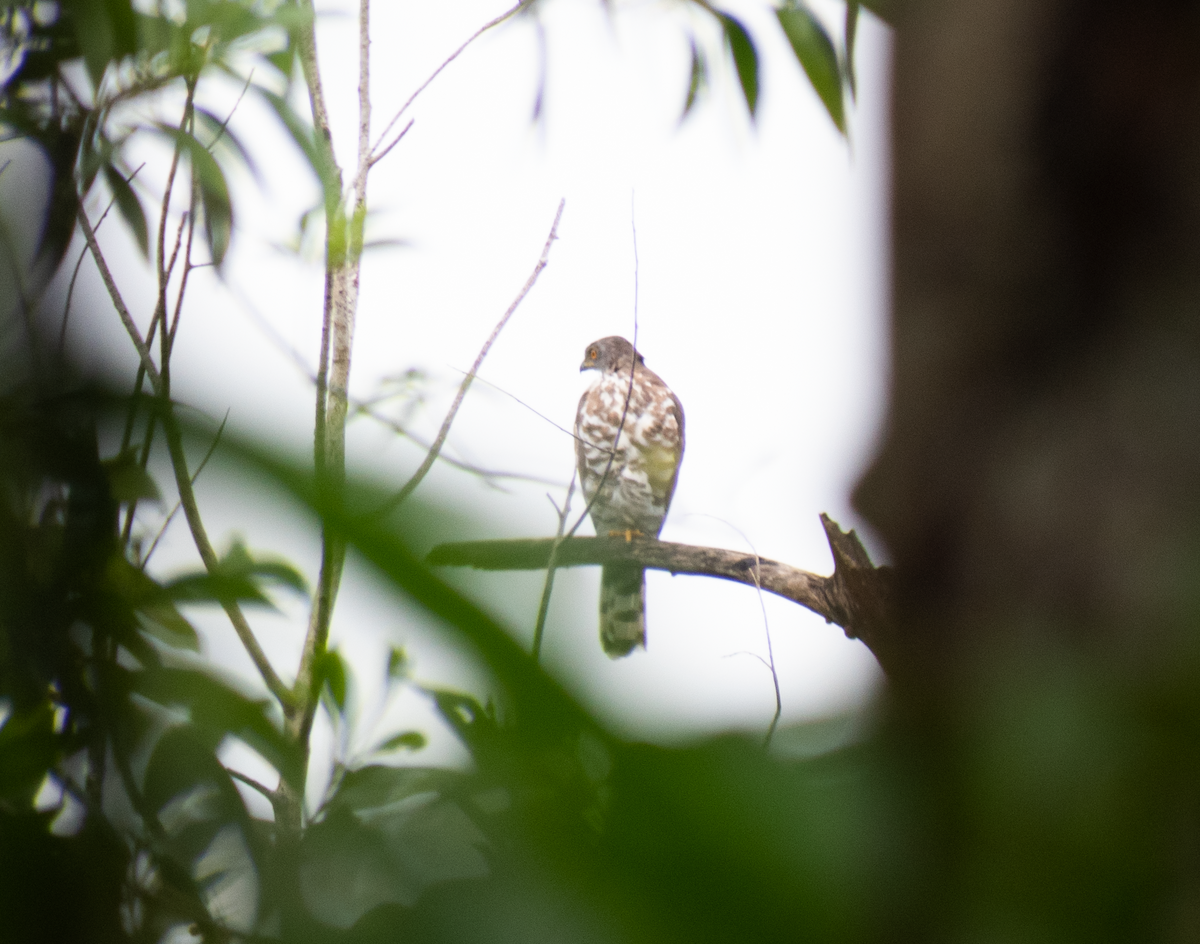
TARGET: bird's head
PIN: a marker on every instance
(607, 354)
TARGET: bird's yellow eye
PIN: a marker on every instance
(592, 354)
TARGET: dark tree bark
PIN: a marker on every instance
(1043, 451)
(1039, 482)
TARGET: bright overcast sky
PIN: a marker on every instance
(762, 303)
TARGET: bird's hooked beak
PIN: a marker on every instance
(589, 363)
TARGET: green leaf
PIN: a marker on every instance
(130, 208)
(28, 749)
(853, 7)
(127, 480)
(106, 31)
(816, 53)
(884, 9)
(164, 623)
(190, 791)
(214, 192)
(408, 740)
(238, 577)
(218, 211)
(151, 601)
(745, 58)
(217, 710)
(305, 137)
(697, 80)
(376, 787)
(219, 133)
(397, 667)
(331, 673)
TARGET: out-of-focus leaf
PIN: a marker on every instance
(165, 623)
(351, 863)
(377, 787)
(216, 710)
(408, 740)
(220, 133)
(145, 596)
(305, 137)
(106, 31)
(190, 791)
(817, 55)
(853, 8)
(214, 192)
(884, 9)
(127, 480)
(697, 79)
(238, 577)
(738, 846)
(397, 667)
(218, 211)
(745, 58)
(28, 748)
(546, 712)
(62, 149)
(331, 677)
(130, 208)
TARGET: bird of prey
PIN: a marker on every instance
(628, 446)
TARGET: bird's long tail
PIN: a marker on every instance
(622, 609)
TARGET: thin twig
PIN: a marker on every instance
(396, 140)
(432, 455)
(365, 407)
(757, 573)
(188, 265)
(551, 567)
(769, 662)
(114, 293)
(232, 112)
(195, 475)
(543, 416)
(187, 497)
(485, 474)
(436, 72)
(62, 331)
(160, 309)
(612, 455)
(560, 539)
(251, 782)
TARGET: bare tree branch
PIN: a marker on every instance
(432, 455)
(857, 596)
(436, 72)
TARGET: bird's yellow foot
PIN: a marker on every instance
(629, 534)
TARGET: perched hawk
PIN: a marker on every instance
(636, 488)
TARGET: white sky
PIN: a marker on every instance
(763, 297)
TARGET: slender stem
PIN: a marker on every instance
(183, 482)
(343, 254)
(436, 448)
(513, 11)
(114, 293)
(251, 782)
(187, 497)
(62, 331)
(195, 475)
(551, 567)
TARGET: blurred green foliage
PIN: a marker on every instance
(1048, 797)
